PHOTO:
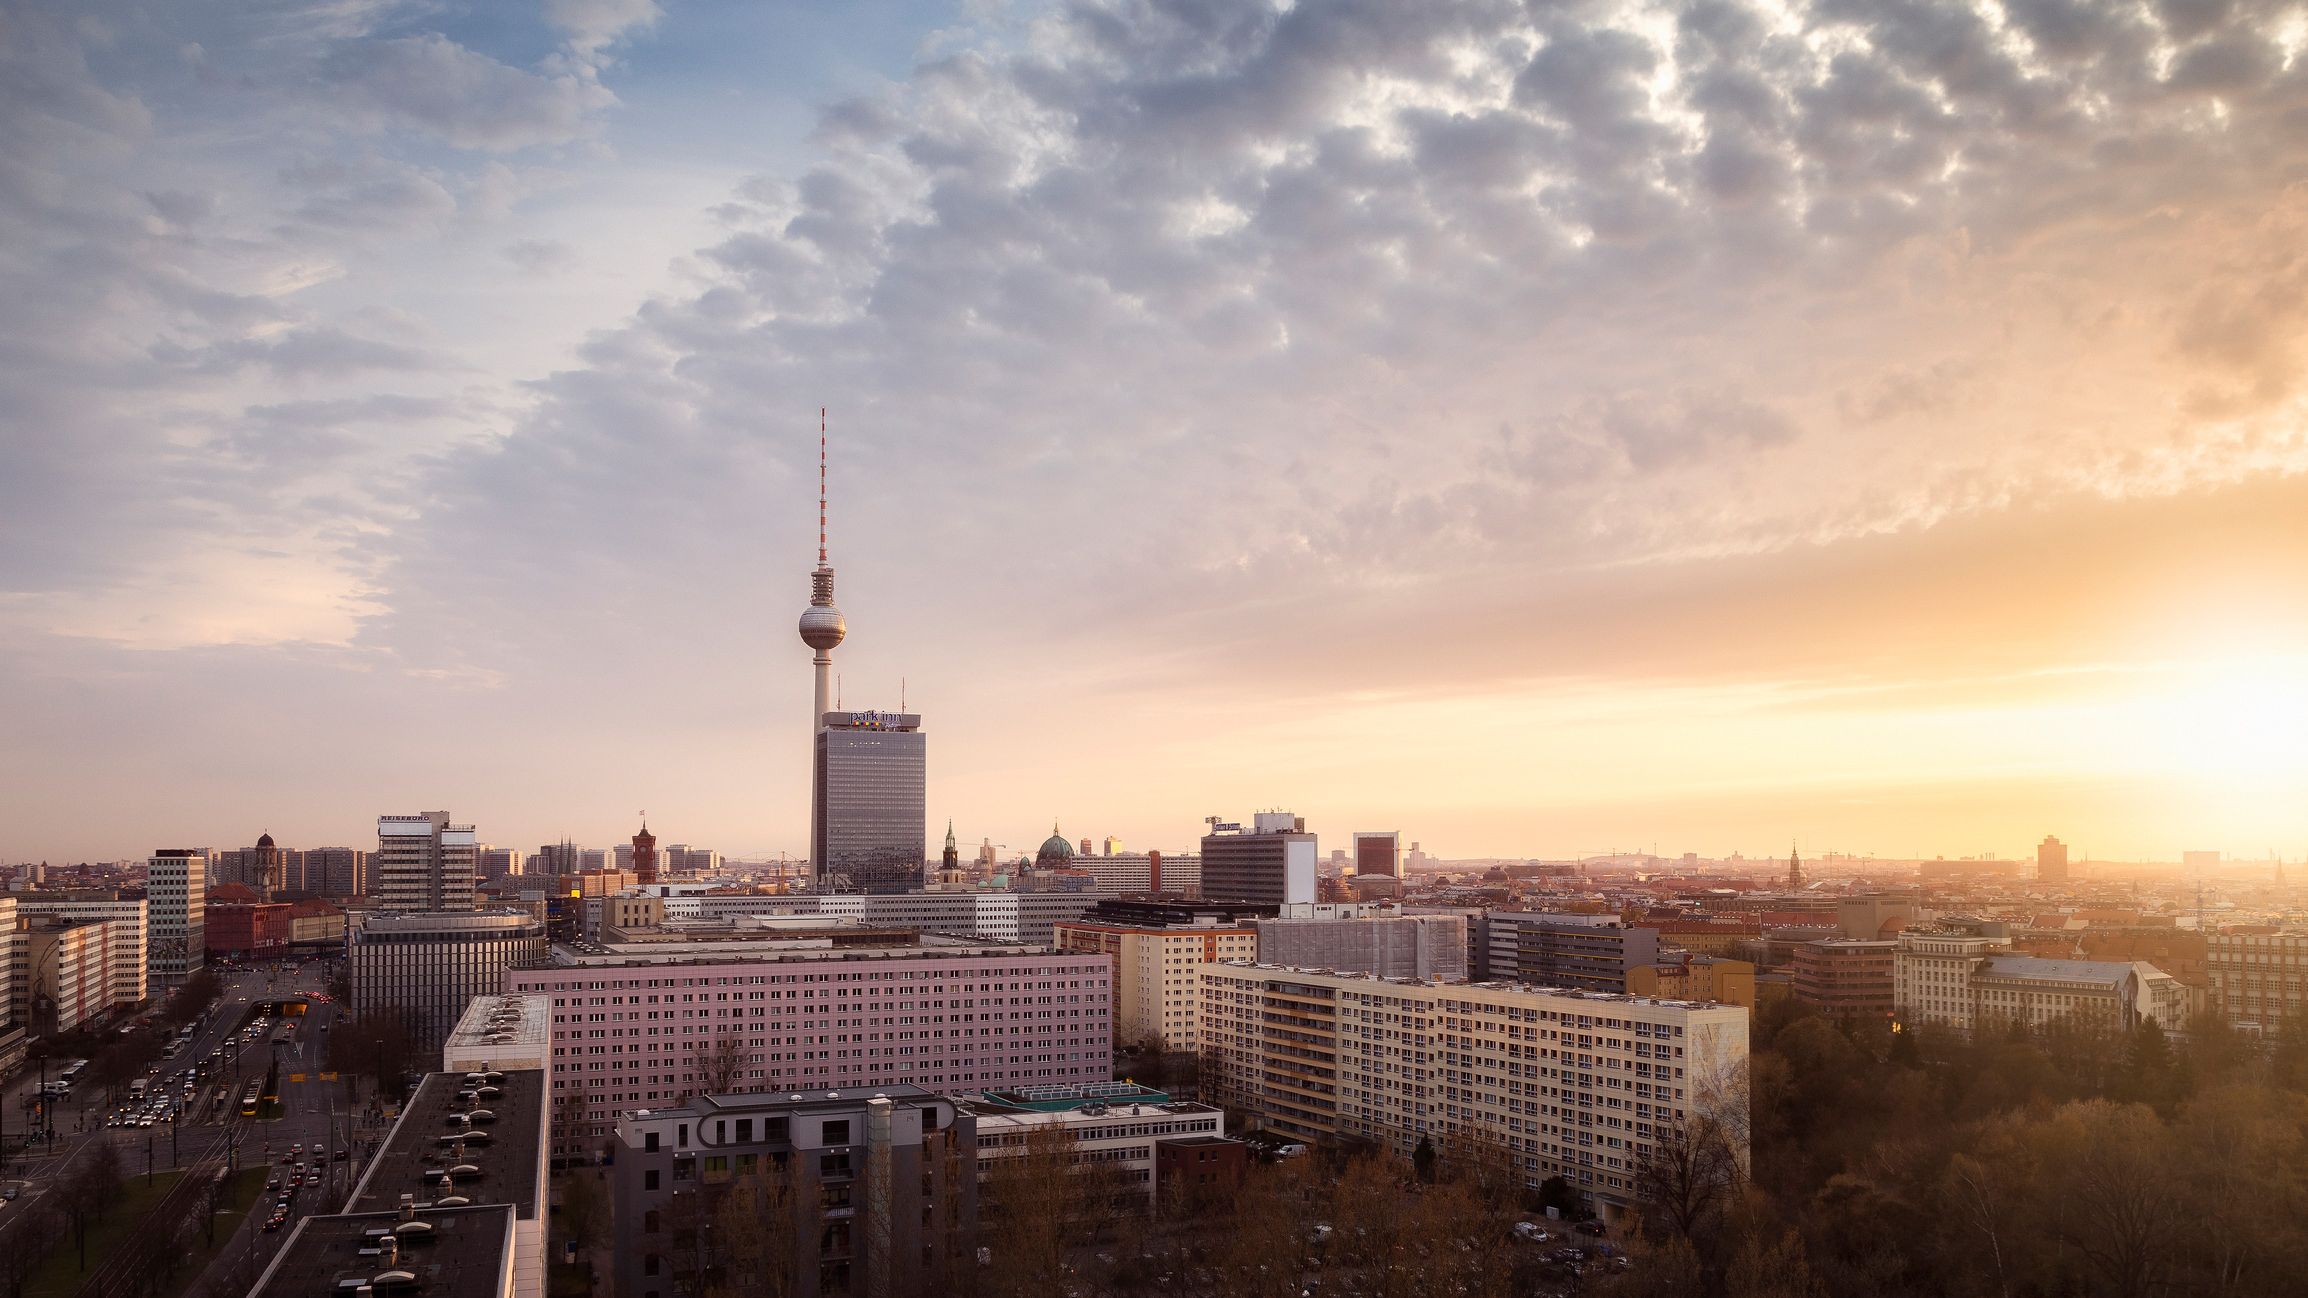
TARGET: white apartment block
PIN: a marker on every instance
(1966, 981)
(994, 916)
(1156, 995)
(1577, 1084)
(11, 954)
(130, 971)
(1122, 1137)
(424, 863)
(176, 935)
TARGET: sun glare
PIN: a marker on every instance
(2242, 720)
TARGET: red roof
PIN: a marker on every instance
(232, 892)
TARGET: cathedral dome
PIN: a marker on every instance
(264, 841)
(1055, 851)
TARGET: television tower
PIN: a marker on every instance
(822, 628)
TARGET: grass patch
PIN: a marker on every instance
(241, 1193)
(60, 1276)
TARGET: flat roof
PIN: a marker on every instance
(510, 1024)
(466, 1253)
(417, 1152)
(845, 1100)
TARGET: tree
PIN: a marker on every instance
(584, 1209)
(1422, 1159)
(2117, 1212)
(1686, 1175)
(1031, 1202)
(25, 1243)
(753, 1227)
(86, 1195)
(718, 1064)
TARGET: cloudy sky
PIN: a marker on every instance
(1542, 428)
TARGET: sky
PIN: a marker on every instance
(1538, 428)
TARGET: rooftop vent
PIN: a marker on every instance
(414, 1230)
(453, 1201)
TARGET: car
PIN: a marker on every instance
(273, 1183)
(274, 1223)
(341, 1155)
(1591, 1228)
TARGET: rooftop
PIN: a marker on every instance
(454, 1253)
(499, 1118)
(517, 1026)
(842, 1101)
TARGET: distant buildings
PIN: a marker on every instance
(1577, 1085)
(869, 806)
(424, 863)
(1846, 978)
(2259, 980)
(1961, 975)
(1378, 853)
(2051, 861)
(335, 871)
(176, 886)
(1390, 946)
(64, 973)
(1155, 997)
(1586, 952)
(1272, 861)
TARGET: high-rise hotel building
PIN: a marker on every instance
(424, 863)
(869, 802)
(1577, 1084)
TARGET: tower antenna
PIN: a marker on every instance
(821, 486)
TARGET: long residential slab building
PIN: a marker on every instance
(647, 1025)
(1577, 1084)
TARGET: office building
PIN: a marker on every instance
(2258, 981)
(452, 1205)
(336, 871)
(1271, 861)
(2051, 861)
(802, 1014)
(864, 1193)
(1390, 946)
(426, 967)
(1117, 1126)
(683, 861)
(1846, 978)
(128, 965)
(11, 949)
(1155, 996)
(424, 863)
(869, 801)
(1576, 1084)
(1378, 853)
(176, 886)
(1587, 952)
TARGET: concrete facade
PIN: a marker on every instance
(1577, 1085)
(1397, 946)
(1155, 993)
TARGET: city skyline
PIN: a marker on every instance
(1542, 434)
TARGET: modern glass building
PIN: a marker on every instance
(870, 796)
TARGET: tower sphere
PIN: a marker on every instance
(822, 627)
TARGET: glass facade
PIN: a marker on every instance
(871, 803)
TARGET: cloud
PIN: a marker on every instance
(460, 95)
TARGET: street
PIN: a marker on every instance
(209, 1124)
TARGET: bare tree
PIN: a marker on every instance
(718, 1064)
(26, 1243)
(754, 1232)
(1686, 1175)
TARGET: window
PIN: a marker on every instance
(649, 1179)
(649, 1142)
(834, 1132)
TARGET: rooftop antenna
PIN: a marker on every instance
(901, 693)
(821, 486)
